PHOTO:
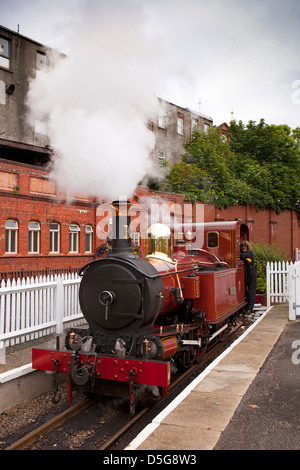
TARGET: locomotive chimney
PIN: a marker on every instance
(121, 241)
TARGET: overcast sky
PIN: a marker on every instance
(229, 54)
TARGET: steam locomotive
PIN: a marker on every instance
(144, 313)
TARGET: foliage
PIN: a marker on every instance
(270, 157)
(106, 248)
(262, 255)
(258, 165)
(103, 248)
(136, 249)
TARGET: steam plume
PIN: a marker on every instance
(99, 100)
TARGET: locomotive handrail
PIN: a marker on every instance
(212, 254)
(148, 276)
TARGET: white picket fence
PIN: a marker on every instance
(283, 285)
(294, 290)
(34, 307)
(277, 282)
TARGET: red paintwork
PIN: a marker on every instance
(109, 368)
(224, 294)
(170, 345)
(191, 287)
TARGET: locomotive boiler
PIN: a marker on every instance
(143, 313)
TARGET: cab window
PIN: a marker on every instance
(212, 239)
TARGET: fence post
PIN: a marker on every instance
(297, 289)
(268, 285)
(291, 288)
(59, 305)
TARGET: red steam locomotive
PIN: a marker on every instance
(143, 313)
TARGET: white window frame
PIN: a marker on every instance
(194, 123)
(161, 156)
(180, 125)
(74, 230)
(34, 230)
(5, 46)
(54, 237)
(135, 238)
(41, 61)
(11, 236)
(88, 238)
(162, 119)
(206, 127)
(41, 120)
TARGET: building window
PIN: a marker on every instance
(41, 125)
(206, 128)
(88, 238)
(135, 238)
(180, 123)
(194, 123)
(74, 238)
(41, 120)
(162, 119)
(11, 236)
(161, 157)
(41, 63)
(54, 237)
(4, 52)
(34, 237)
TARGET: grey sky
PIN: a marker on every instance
(230, 54)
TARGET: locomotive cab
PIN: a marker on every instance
(220, 239)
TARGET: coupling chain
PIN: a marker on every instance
(132, 391)
(57, 396)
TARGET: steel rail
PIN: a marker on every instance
(49, 425)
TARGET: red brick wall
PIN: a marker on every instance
(37, 200)
(265, 226)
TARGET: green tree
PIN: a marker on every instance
(259, 165)
(269, 158)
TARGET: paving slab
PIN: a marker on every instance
(186, 439)
(226, 382)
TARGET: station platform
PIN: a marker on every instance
(18, 381)
(247, 399)
(17, 356)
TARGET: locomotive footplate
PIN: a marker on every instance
(117, 369)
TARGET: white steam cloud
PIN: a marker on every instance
(99, 100)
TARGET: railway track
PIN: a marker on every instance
(49, 425)
(30, 438)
